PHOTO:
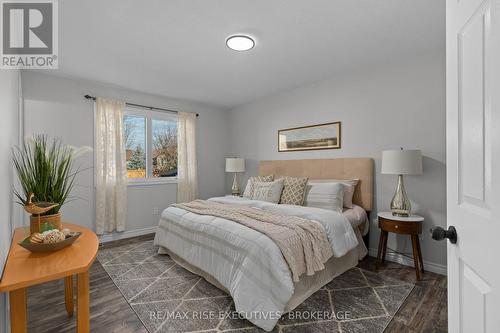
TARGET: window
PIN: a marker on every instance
(135, 145)
(164, 153)
(151, 145)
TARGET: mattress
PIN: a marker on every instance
(305, 287)
(248, 264)
(358, 218)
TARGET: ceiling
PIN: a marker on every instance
(177, 48)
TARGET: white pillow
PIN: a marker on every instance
(267, 191)
(247, 193)
(325, 195)
(349, 188)
(249, 188)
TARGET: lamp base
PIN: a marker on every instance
(400, 205)
(400, 213)
(235, 190)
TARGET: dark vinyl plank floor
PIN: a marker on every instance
(425, 309)
(109, 311)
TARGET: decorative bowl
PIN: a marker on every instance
(46, 247)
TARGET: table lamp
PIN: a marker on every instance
(235, 164)
(401, 162)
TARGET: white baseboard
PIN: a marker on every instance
(126, 234)
(398, 258)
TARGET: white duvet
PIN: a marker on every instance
(246, 262)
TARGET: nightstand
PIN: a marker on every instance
(411, 225)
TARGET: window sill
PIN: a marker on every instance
(150, 182)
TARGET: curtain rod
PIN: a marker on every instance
(141, 106)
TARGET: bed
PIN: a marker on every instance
(247, 264)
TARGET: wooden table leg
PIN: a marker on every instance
(384, 245)
(17, 299)
(379, 252)
(83, 311)
(68, 295)
(414, 241)
(420, 255)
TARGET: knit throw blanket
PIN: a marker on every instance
(302, 242)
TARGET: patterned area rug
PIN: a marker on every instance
(168, 298)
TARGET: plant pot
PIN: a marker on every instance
(36, 221)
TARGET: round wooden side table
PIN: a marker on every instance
(411, 225)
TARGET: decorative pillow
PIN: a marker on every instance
(249, 188)
(325, 195)
(294, 191)
(349, 188)
(268, 191)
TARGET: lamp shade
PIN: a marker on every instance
(402, 162)
(235, 164)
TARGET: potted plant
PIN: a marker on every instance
(46, 175)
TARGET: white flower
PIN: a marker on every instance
(79, 151)
(29, 139)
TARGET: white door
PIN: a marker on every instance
(473, 164)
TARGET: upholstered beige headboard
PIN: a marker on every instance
(336, 168)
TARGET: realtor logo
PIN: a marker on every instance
(29, 34)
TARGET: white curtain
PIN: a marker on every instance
(110, 167)
(187, 177)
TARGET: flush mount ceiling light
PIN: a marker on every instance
(240, 42)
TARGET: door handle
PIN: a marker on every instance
(439, 233)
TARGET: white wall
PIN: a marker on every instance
(400, 104)
(380, 108)
(56, 106)
(9, 129)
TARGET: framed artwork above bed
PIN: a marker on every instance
(313, 137)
